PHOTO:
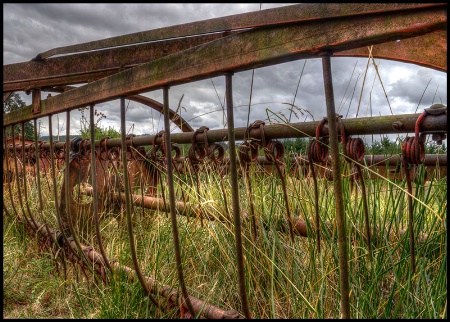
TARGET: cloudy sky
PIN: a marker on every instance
(29, 29)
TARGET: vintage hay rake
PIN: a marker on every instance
(124, 67)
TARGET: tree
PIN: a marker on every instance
(13, 103)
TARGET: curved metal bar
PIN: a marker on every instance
(25, 190)
(173, 217)
(55, 192)
(38, 183)
(17, 174)
(95, 189)
(174, 117)
(429, 51)
(128, 204)
(8, 172)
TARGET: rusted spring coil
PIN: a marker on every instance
(107, 153)
(248, 153)
(413, 152)
(318, 153)
(198, 150)
(216, 153)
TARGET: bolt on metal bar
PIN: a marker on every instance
(337, 183)
(173, 217)
(128, 204)
(95, 188)
(235, 194)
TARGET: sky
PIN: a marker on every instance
(29, 29)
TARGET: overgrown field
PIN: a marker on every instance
(283, 279)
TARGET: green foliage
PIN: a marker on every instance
(99, 131)
(388, 147)
(13, 103)
(384, 147)
(298, 145)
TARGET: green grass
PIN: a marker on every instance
(283, 279)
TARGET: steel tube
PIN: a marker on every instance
(389, 124)
(337, 183)
(235, 195)
(173, 216)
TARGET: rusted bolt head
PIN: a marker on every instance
(397, 125)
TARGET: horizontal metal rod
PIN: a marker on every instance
(184, 209)
(389, 124)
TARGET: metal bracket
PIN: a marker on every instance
(36, 103)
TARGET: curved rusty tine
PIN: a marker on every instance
(67, 197)
(235, 194)
(413, 153)
(38, 183)
(64, 232)
(24, 168)
(8, 176)
(128, 204)
(95, 188)
(17, 173)
(173, 217)
(337, 185)
(246, 160)
(354, 154)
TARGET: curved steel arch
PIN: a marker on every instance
(182, 124)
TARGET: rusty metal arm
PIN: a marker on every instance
(429, 50)
(262, 18)
(246, 50)
(90, 66)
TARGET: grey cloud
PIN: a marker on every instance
(33, 28)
